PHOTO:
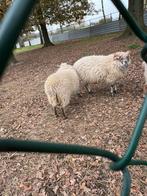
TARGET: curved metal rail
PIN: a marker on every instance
(9, 33)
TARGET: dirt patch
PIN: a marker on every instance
(95, 120)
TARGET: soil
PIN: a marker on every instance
(94, 120)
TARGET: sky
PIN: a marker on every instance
(108, 5)
(109, 8)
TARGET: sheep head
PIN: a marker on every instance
(65, 66)
(122, 59)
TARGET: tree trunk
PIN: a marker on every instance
(103, 11)
(13, 59)
(40, 34)
(136, 8)
(61, 28)
(47, 41)
(29, 42)
(21, 42)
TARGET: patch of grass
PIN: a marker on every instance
(27, 48)
(134, 46)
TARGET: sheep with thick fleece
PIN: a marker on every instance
(100, 68)
(60, 85)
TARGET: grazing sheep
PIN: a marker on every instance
(97, 69)
(60, 85)
(144, 64)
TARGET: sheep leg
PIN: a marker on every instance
(88, 88)
(79, 94)
(63, 112)
(55, 111)
(112, 90)
(115, 89)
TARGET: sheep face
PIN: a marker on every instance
(122, 59)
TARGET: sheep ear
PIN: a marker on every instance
(116, 56)
(128, 52)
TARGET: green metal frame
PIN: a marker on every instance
(9, 32)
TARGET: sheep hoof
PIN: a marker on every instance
(65, 118)
(63, 112)
(55, 111)
(87, 88)
(114, 92)
(90, 92)
(79, 95)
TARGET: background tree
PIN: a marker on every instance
(48, 12)
(59, 12)
(136, 8)
(67, 11)
(39, 20)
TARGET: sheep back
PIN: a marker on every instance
(95, 69)
(60, 86)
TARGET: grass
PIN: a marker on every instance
(134, 46)
(86, 39)
(27, 48)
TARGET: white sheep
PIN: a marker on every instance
(60, 85)
(97, 69)
(144, 64)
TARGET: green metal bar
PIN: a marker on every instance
(9, 145)
(144, 53)
(134, 140)
(134, 26)
(11, 27)
(126, 183)
(138, 162)
(130, 20)
(9, 32)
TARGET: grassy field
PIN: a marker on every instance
(85, 40)
(27, 48)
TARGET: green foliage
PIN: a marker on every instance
(67, 11)
(4, 4)
(53, 12)
(134, 46)
(61, 11)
